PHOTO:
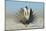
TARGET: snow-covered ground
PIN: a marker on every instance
(12, 23)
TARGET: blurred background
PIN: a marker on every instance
(13, 6)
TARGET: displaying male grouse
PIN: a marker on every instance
(28, 16)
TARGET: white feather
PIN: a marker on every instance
(26, 13)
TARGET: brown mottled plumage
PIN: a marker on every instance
(24, 18)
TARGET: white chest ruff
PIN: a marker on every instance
(27, 13)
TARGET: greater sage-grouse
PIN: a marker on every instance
(26, 15)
